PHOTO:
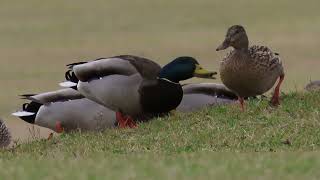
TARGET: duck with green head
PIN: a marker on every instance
(135, 87)
(249, 71)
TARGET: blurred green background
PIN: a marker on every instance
(38, 38)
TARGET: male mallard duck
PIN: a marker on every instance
(249, 71)
(313, 86)
(200, 95)
(66, 110)
(136, 87)
(5, 135)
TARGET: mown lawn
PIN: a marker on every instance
(38, 38)
(281, 142)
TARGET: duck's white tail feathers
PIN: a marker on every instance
(22, 113)
(68, 84)
(5, 135)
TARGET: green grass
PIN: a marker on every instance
(281, 142)
(182, 166)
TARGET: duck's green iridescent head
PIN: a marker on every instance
(236, 37)
(183, 68)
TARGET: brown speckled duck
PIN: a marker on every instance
(249, 71)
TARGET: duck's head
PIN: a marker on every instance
(236, 37)
(183, 68)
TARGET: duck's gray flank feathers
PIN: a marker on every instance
(65, 108)
(211, 89)
(5, 136)
(117, 95)
(201, 95)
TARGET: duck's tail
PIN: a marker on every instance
(29, 111)
(5, 135)
(71, 80)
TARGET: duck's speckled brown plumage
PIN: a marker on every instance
(251, 72)
(248, 71)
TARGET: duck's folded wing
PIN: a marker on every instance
(103, 67)
(212, 89)
(54, 96)
(120, 65)
(147, 68)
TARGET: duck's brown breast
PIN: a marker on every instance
(159, 96)
(243, 75)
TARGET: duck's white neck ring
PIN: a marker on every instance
(168, 80)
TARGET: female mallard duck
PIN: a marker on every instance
(135, 87)
(66, 110)
(200, 95)
(249, 71)
(5, 135)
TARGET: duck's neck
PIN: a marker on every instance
(168, 80)
(242, 44)
(172, 76)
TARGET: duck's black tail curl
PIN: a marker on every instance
(30, 107)
(71, 76)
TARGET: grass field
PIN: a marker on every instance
(39, 37)
(262, 143)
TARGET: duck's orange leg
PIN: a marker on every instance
(59, 128)
(275, 101)
(241, 100)
(125, 121)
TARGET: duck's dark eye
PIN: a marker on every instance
(237, 31)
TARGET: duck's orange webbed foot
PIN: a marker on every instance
(275, 101)
(59, 128)
(125, 121)
(241, 100)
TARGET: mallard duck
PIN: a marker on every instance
(200, 95)
(313, 86)
(5, 135)
(66, 110)
(249, 71)
(136, 87)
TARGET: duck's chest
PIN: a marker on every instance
(160, 96)
(240, 74)
(236, 65)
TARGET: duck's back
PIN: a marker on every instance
(251, 72)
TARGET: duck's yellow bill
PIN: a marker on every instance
(200, 72)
